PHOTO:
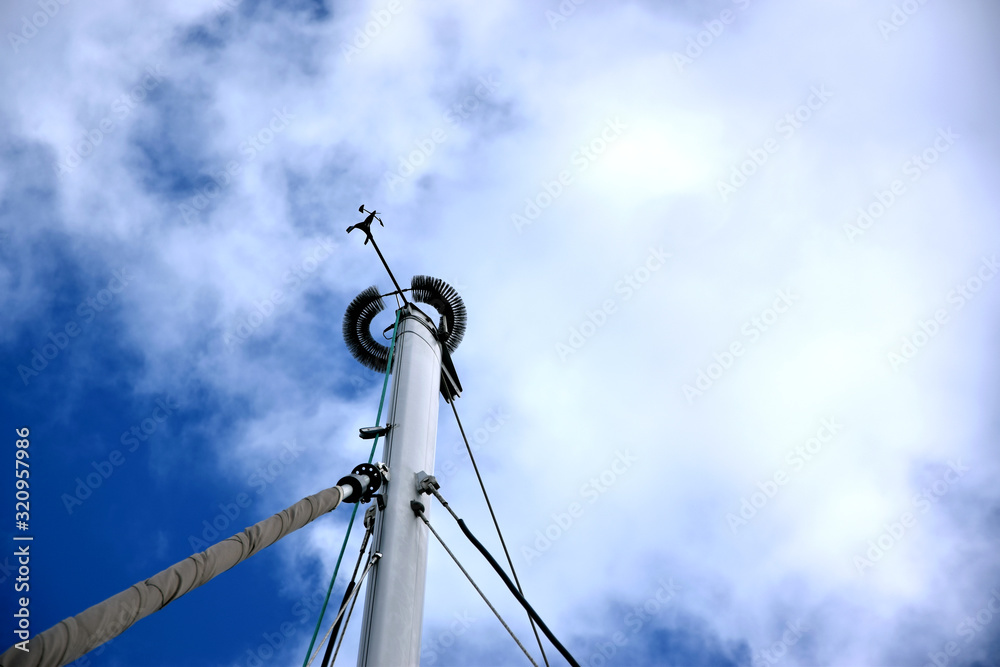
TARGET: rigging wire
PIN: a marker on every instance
(336, 626)
(496, 524)
(418, 509)
(354, 513)
(503, 575)
(347, 593)
(405, 289)
(371, 561)
(344, 631)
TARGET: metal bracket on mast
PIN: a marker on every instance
(370, 515)
(427, 483)
(372, 432)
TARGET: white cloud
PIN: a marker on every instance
(654, 185)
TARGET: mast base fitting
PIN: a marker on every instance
(360, 492)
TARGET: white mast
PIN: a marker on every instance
(394, 604)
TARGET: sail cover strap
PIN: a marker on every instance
(71, 638)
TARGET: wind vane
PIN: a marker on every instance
(366, 226)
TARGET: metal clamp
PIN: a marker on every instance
(363, 482)
(427, 483)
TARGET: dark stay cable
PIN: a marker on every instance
(520, 598)
(336, 626)
(343, 632)
(371, 561)
(418, 509)
(510, 584)
(496, 524)
(347, 596)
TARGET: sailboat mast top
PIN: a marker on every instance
(421, 368)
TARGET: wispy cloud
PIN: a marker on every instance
(694, 239)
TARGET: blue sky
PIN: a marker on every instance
(730, 270)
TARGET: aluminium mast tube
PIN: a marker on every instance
(394, 602)
(73, 637)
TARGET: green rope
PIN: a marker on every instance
(350, 524)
